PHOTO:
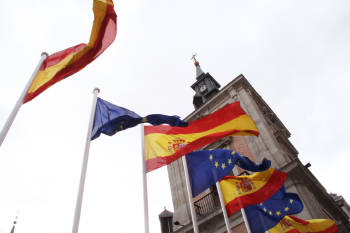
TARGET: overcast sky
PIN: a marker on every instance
(295, 53)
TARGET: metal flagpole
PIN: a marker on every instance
(242, 209)
(227, 222)
(19, 102)
(84, 165)
(189, 193)
(245, 220)
(144, 177)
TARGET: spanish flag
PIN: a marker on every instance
(291, 224)
(241, 191)
(64, 63)
(165, 144)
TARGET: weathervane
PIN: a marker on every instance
(194, 57)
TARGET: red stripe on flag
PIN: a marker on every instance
(272, 185)
(57, 57)
(332, 229)
(221, 116)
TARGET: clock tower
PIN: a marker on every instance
(273, 144)
(205, 87)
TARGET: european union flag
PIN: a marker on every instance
(110, 119)
(206, 167)
(266, 215)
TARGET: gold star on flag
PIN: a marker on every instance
(211, 157)
(260, 204)
(223, 165)
(290, 201)
(270, 213)
(229, 161)
(265, 210)
(278, 213)
(286, 209)
(233, 152)
(216, 164)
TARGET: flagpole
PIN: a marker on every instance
(235, 171)
(189, 193)
(144, 178)
(227, 222)
(84, 165)
(19, 102)
(245, 220)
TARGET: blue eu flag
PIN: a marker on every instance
(266, 215)
(110, 119)
(206, 167)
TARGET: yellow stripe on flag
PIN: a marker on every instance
(288, 224)
(157, 144)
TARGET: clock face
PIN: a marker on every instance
(202, 88)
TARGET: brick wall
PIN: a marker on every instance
(239, 229)
(240, 145)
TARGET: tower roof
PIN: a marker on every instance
(166, 214)
(199, 70)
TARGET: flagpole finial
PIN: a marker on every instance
(44, 54)
(96, 89)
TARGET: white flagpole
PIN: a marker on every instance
(227, 222)
(19, 102)
(189, 193)
(242, 209)
(84, 165)
(245, 220)
(144, 178)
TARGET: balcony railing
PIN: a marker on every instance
(207, 204)
(210, 202)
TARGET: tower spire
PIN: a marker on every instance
(205, 86)
(199, 70)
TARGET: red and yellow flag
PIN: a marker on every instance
(241, 191)
(164, 144)
(291, 224)
(62, 64)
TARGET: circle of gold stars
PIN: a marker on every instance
(223, 165)
(277, 213)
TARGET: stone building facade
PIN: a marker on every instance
(272, 143)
